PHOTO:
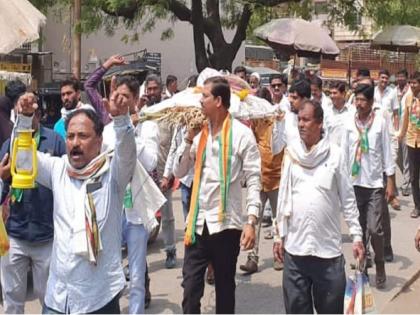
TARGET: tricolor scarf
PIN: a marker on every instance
(415, 113)
(362, 143)
(87, 240)
(16, 194)
(225, 163)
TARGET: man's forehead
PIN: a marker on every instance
(80, 121)
(67, 88)
(153, 84)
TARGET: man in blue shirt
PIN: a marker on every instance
(70, 97)
(30, 229)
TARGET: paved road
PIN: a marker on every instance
(262, 292)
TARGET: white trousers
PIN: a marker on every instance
(22, 257)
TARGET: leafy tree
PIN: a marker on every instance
(210, 17)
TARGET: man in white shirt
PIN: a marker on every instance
(403, 92)
(278, 89)
(224, 153)
(387, 97)
(318, 95)
(86, 273)
(314, 189)
(135, 233)
(285, 130)
(152, 96)
(367, 151)
(171, 86)
(336, 116)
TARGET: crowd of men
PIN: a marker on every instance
(321, 156)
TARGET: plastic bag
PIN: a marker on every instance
(358, 298)
(4, 239)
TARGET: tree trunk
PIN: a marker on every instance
(77, 39)
(197, 20)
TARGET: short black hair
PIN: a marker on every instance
(384, 72)
(364, 72)
(14, 89)
(302, 88)
(404, 72)
(98, 125)
(317, 81)
(170, 78)
(239, 69)
(131, 82)
(153, 78)
(318, 111)
(368, 91)
(75, 84)
(280, 76)
(415, 76)
(220, 87)
(338, 85)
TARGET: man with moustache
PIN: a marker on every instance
(338, 114)
(70, 96)
(153, 95)
(367, 151)
(286, 129)
(314, 189)
(278, 88)
(135, 232)
(318, 95)
(88, 187)
(223, 154)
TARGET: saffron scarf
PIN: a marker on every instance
(362, 143)
(225, 174)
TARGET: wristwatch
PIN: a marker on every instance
(251, 222)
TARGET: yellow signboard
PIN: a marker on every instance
(334, 73)
(16, 67)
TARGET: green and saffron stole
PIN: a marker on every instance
(225, 175)
(362, 143)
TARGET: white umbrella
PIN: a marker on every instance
(292, 36)
(404, 38)
(19, 24)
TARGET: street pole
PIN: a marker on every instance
(77, 39)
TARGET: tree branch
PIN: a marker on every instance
(240, 34)
(212, 24)
(180, 10)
